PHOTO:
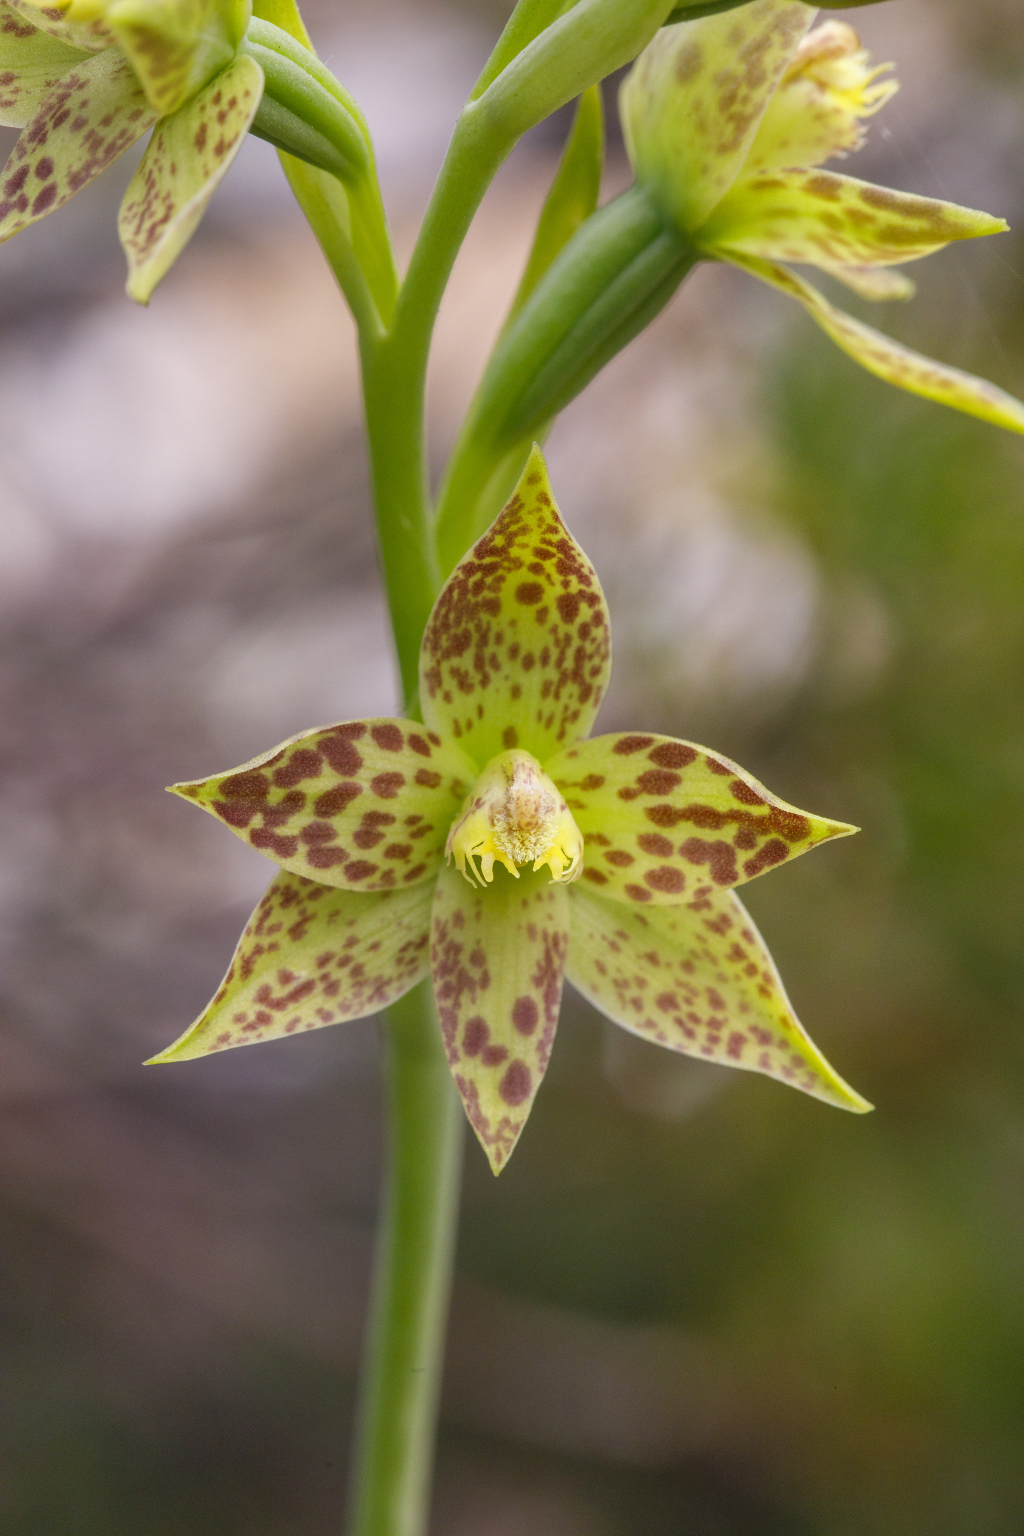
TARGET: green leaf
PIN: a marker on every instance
(184, 163)
(816, 216)
(517, 650)
(93, 115)
(573, 195)
(177, 46)
(666, 822)
(888, 360)
(699, 980)
(312, 956)
(497, 958)
(364, 805)
(693, 101)
(32, 62)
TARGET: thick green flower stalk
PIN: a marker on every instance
(498, 849)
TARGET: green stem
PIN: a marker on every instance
(394, 1449)
(394, 376)
(323, 200)
(402, 1370)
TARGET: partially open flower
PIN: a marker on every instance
(453, 848)
(728, 121)
(86, 78)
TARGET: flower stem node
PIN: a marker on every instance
(514, 814)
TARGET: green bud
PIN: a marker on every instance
(304, 110)
(607, 283)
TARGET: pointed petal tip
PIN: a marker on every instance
(842, 1096)
(841, 829)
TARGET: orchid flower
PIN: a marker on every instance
(84, 79)
(497, 848)
(728, 121)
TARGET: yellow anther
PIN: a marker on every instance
(514, 815)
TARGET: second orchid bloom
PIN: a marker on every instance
(498, 849)
(728, 121)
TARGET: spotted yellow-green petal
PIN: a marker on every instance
(31, 64)
(177, 46)
(692, 103)
(698, 980)
(889, 360)
(498, 956)
(88, 32)
(666, 822)
(878, 284)
(364, 805)
(312, 956)
(818, 111)
(816, 216)
(184, 163)
(89, 118)
(517, 650)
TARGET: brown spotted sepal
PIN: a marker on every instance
(698, 979)
(666, 822)
(93, 114)
(186, 160)
(312, 956)
(498, 958)
(364, 805)
(517, 651)
(31, 63)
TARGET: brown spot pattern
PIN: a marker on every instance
(666, 821)
(92, 115)
(501, 648)
(823, 218)
(185, 161)
(312, 956)
(498, 957)
(33, 63)
(699, 980)
(354, 805)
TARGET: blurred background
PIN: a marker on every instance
(696, 1304)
